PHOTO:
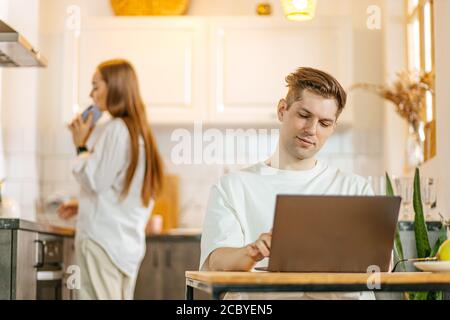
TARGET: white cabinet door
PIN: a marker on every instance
(250, 58)
(167, 53)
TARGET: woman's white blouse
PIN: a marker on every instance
(117, 225)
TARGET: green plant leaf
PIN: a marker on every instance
(422, 242)
(398, 248)
(389, 189)
(443, 233)
(420, 228)
(441, 239)
(420, 295)
(439, 295)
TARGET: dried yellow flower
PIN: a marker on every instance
(407, 93)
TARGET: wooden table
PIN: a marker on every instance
(217, 283)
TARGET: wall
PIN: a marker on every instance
(395, 127)
(4, 8)
(19, 109)
(369, 111)
(395, 59)
(438, 166)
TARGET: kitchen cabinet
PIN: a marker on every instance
(250, 58)
(228, 70)
(5, 264)
(24, 284)
(167, 53)
(162, 272)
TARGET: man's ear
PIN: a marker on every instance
(282, 109)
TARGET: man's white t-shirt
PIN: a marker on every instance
(241, 206)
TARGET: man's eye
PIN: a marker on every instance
(303, 115)
(325, 125)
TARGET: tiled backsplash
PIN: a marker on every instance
(347, 150)
(350, 150)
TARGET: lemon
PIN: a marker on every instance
(444, 251)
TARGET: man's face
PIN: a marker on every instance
(307, 124)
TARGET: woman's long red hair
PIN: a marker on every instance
(124, 101)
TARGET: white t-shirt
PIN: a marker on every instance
(117, 226)
(241, 206)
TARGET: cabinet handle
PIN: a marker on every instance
(40, 257)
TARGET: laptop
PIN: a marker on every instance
(333, 233)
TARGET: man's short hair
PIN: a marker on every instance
(319, 83)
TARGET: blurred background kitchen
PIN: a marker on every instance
(220, 63)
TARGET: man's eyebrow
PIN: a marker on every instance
(306, 110)
(309, 112)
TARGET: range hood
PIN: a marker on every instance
(16, 51)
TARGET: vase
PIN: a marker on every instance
(415, 144)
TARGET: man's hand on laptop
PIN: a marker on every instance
(239, 259)
(260, 249)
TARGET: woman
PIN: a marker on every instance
(119, 179)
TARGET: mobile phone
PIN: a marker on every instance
(95, 112)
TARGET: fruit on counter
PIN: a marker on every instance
(444, 251)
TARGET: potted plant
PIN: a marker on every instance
(424, 250)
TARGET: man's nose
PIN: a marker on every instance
(311, 127)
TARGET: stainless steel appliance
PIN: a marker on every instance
(49, 266)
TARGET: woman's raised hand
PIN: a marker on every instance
(81, 129)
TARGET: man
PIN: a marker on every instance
(237, 227)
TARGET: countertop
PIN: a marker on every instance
(177, 235)
(20, 224)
